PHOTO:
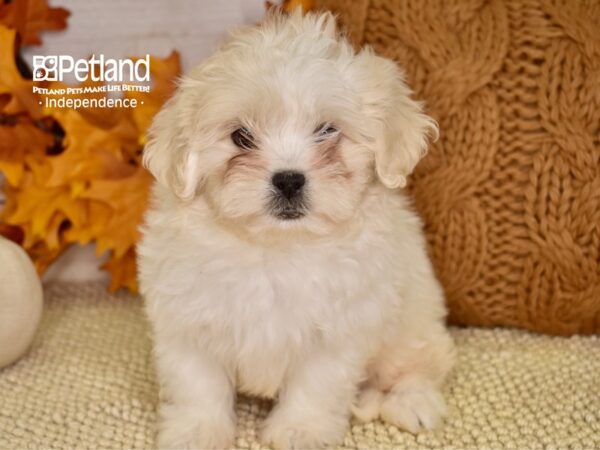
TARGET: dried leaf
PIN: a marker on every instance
(164, 73)
(43, 256)
(127, 198)
(12, 233)
(73, 176)
(99, 215)
(19, 137)
(290, 5)
(12, 84)
(90, 151)
(37, 208)
(123, 271)
(29, 17)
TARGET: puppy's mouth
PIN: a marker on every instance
(289, 214)
(284, 209)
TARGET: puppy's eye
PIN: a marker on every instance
(325, 130)
(242, 138)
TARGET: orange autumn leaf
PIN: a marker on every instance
(12, 233)
(37, 209)
(127, 198)
(43, 256)
(19, 137)
(90, 151)
(12, 84)
(291, 5)
(123, 271)
(29, 17)
(72, 176)
(99, 215)
(164, 72)
(306, 5)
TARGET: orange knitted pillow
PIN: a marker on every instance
(510, 194)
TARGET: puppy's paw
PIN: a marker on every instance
(190, 429)
(414, 407)
(367, 405)
(287, 431)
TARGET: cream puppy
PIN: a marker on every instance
(279, 257)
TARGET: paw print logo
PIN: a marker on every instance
(45, 68)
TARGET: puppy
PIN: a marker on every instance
(279, 258)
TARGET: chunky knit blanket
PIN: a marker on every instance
(88, 382)
(510, 193)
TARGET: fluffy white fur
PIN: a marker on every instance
(334, 313)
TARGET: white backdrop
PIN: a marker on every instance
(122, 28)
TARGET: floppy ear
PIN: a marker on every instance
(400, 129)
(168, 154)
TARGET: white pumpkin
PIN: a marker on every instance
(21, 299)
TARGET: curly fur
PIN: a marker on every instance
(333, 313)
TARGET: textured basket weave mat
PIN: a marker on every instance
(88, 383)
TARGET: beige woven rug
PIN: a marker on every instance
(88, 383)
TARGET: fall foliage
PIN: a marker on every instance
(28, 18)
(71, 176)
(74, 176)
(291, 5)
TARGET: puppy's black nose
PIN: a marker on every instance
(288, 183)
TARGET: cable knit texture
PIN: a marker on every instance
(510, 193)
(88, 382)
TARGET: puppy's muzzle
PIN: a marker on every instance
(288, 200)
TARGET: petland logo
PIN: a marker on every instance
(117, 79)
(55, 67)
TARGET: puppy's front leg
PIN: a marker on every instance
(198, 405)
(314, 404)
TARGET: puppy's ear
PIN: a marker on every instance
(168, 154)
(400, 133)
